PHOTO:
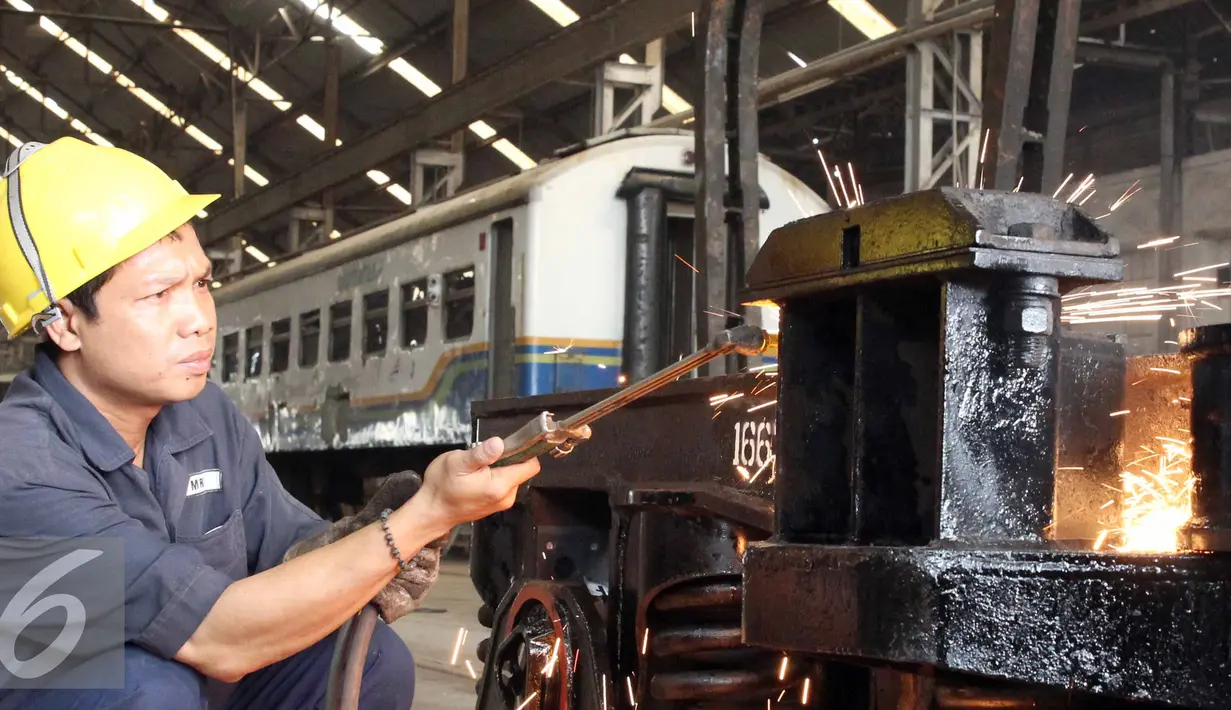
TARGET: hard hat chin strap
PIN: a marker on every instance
(17, 219)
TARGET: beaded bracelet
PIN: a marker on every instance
(393, 548)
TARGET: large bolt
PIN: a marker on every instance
(1034, 319)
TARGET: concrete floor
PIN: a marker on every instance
(431, 633)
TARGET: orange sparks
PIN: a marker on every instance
(645, 641)
(695, 270)
(782, 668)
(803, 697)
(526, 702)
(1124, 197)
(743, 473)
(1155, 500)
(457, 646)
(763, 405)
(604, 691)
(762, 468)
(1201, 268)
(782, 695)
(470, 668)
(632, 698)
(723, 399)
(1120, 413)
(555, 657)
(1156, 243)
(1166, 369)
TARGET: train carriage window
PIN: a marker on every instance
(253, 338)
(375, 322)
(230, 357)
(339, 331)
(414, 314)
(309, 337)
(280, 345)
(459, 303)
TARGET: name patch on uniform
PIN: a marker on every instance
(205, 481)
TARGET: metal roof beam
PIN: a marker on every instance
(90, 18)
(403, 45)
(579, 45)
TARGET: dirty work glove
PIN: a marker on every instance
(407, 590)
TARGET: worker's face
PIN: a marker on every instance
(153, 340)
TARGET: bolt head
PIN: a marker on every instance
(1036, 320)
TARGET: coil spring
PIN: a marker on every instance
(696, 650)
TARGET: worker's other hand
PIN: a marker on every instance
(408, 589)
(461, 486)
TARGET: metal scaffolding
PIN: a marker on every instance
(944, 99)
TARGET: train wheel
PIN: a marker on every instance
(547, 652)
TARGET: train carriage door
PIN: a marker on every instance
(502, 372)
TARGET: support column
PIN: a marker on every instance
(239, 156)
(461, 53)
(1169, 195)
(949, 70)
(1029, 82)
(642, 83)
(331, 126)
(645, 326)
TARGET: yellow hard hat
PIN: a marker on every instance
(70, 210)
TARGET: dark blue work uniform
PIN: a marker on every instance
(204, 510)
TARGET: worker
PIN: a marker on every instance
(233, 591)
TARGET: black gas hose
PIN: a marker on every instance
(346, 667)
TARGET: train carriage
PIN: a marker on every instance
(516, 288)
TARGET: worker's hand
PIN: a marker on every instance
(461, 486)
(408, 589)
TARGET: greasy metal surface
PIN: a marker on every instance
(930, 232)
(1207, 348)
(998, 438)
(1092, 385)
(1139, 627)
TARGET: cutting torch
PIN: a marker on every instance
(544, 435)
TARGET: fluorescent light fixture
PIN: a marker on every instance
(558, 11)
(795, 58)
(251, 173)
(106, 68)
(335, 234)
(399, 192)
(372, 45)
(513, 153)
(311, 126)
(257, 254)
(52, 107)
(12, 139)
(378, 177)
(864, 17)
(414, 77)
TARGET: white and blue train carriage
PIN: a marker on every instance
(514, 288)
